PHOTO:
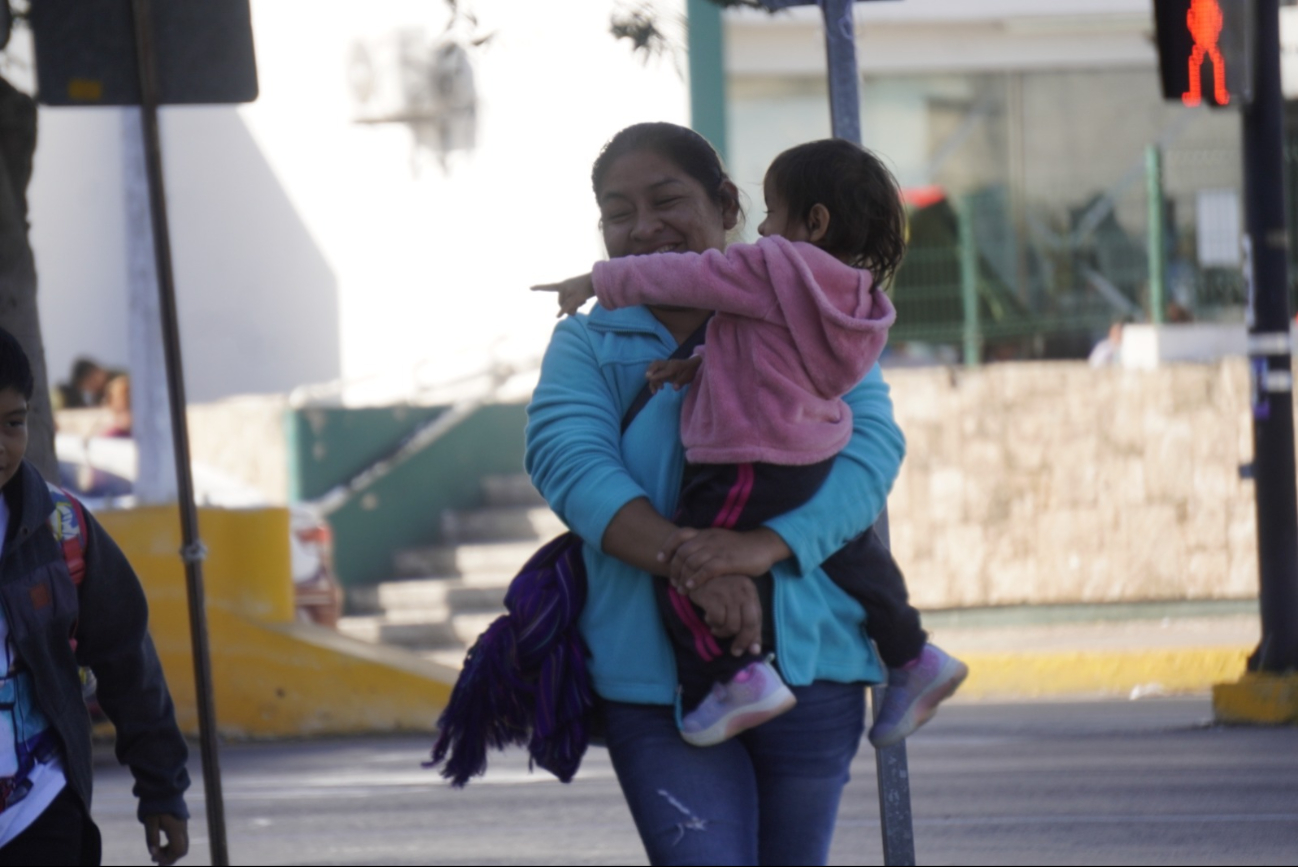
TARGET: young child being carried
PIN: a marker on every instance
(800, 319)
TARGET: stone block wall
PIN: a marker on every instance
(1054, 482)
(1024, 483)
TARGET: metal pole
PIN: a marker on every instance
(893, 777)
(969, 282)
(1157, 252)
(891, 770)
(193, 551)
(844, 74)
(1273, 433)
(845, 113)
(706, 38)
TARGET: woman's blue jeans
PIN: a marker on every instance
(768, 796)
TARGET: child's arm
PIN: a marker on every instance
(573, 292)
(736, 281)
(680, 372)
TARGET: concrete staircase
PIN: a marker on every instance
(442, 597)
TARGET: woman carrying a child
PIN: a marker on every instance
(781, 697)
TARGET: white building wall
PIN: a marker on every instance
(913, 54)
(308, 247)
(949, 35)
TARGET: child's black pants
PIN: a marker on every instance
(742, 497)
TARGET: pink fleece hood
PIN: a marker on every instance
(837, 322)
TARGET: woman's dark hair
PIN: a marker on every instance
(682, 145)
(81, 368)
(15, 369)
(867, 219)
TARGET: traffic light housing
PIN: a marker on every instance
(86, 53)
(1205, 51)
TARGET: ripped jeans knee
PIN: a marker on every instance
(688, 821)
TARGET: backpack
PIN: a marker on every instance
(68, 524)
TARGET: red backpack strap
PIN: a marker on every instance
(68, 523)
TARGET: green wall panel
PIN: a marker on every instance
(328, 446)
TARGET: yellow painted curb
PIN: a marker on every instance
(272, 676)
(1086, 672)
(1257, 699)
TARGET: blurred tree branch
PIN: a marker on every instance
(640, 24)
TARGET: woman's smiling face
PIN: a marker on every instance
(648, 204)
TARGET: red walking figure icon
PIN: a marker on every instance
(1204, 21)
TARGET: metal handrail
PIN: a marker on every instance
(425, 435)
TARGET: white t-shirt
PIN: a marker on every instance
(31, 771)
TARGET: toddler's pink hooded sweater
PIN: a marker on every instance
(795, 329)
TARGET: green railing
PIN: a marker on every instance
(1051, 279)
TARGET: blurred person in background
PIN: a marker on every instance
(85, 387)
(117, 397)
(1108, 352)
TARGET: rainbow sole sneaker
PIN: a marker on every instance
(753, 696)
(913, 694)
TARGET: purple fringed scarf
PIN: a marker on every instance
(524, 681)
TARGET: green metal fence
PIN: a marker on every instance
(973, 279)
(996, 279)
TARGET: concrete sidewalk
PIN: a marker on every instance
(1132, 649)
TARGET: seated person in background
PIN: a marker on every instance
(1108, 352)
(85, 387)
(117, 397)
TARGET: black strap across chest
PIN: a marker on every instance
(685, 350)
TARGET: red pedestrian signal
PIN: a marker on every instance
(1204, 22)
(1204, 50)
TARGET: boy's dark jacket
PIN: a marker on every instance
(41, 606)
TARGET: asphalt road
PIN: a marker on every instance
(1102, 782)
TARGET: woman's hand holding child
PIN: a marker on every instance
(698, 556)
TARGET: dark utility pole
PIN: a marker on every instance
(193, 551)
(1269, 350)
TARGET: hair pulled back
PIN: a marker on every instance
(867, 219)
(688, 150)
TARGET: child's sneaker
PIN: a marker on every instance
(913, 694)
(753, 696)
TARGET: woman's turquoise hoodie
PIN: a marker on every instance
(587, 471)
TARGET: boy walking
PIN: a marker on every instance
(51, 623)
